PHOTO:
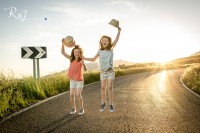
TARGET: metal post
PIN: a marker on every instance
(34, 68)
(38, 68)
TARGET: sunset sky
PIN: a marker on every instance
(152, 30)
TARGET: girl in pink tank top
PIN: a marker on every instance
(75, 75)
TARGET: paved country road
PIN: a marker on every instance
(144, 102)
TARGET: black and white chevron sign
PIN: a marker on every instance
(34, 52)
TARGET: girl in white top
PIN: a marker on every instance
(107, 74)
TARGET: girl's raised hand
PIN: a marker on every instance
(63, 41)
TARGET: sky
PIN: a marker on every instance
(152, 30)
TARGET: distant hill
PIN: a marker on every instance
(92, 66)
(187, 60)
(122, 62)
(195, 54)
(193, 58)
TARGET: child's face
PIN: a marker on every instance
(77, 53)
(105, 42)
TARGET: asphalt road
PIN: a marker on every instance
(144, 102)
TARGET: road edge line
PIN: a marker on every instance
(187, 87)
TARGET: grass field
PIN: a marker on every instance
(16, 94)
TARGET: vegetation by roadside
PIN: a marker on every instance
(191, 78)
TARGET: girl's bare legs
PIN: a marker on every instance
(103, 91)
(72, 98)
(79, 98)
(110, 90)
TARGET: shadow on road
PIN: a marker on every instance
(58, 123)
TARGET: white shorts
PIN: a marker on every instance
(107, 75)
(74, 84)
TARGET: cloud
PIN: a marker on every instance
(70, 10)
(80, 14)
(124, 4)
(67, 11)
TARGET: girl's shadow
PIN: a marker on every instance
(58, 123)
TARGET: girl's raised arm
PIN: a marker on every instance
(63, 51)
(117, 38)
(92, 59)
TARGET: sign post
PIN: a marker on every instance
(38, 68)
(34, 70)
(34, 53)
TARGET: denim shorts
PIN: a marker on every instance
(75, 84)
(107, 75)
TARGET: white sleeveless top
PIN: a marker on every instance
(105, 59)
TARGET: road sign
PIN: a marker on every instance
(33, 52)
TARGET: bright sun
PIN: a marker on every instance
(161, 41)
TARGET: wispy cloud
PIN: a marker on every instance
(67, 9)
(71, 10)
(77, 14)
(123, 4)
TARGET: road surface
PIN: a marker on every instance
(144, 102)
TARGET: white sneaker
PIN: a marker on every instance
(111, 108)
(103, 107)
(72, 111)
(81, 112)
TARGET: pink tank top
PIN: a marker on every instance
(75, 71)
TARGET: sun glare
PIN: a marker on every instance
(162, 81)
(162, 41)
(162, 62)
